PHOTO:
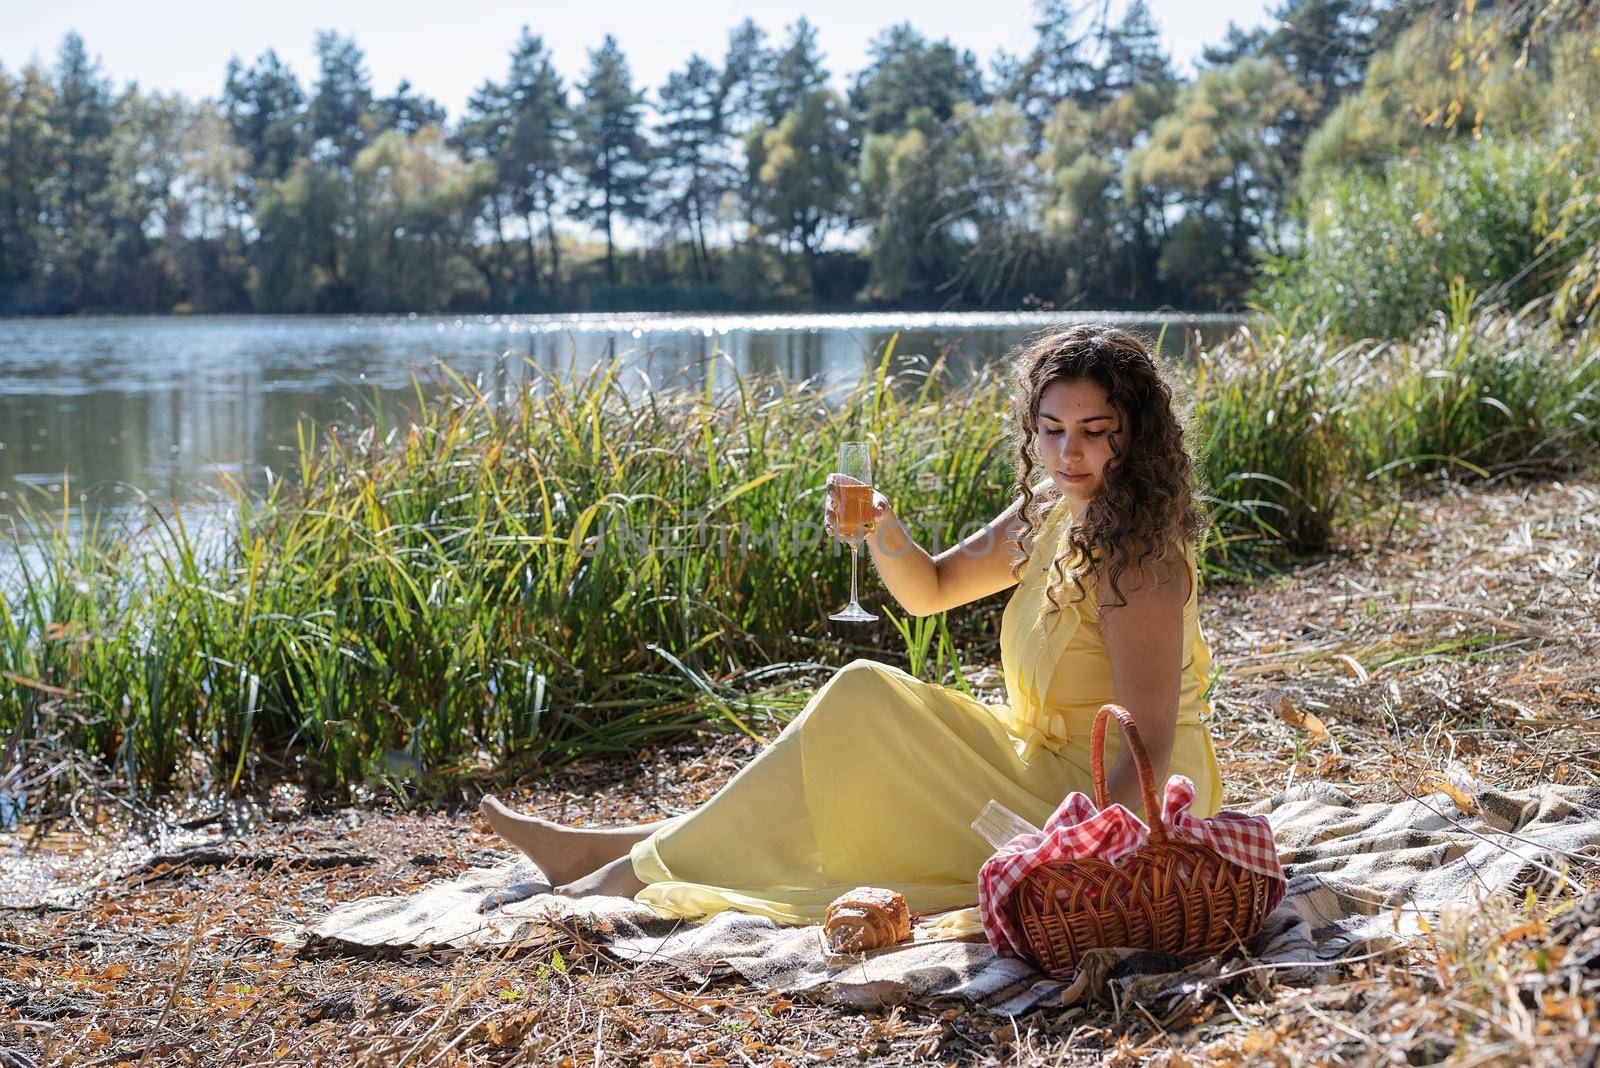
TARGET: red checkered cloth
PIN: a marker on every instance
(1078, 829)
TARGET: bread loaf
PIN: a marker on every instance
(867, 917)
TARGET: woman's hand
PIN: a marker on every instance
(881, 512)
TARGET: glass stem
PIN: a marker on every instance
(855, 553)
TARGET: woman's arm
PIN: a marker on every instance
(1144, 639)
(925, 584)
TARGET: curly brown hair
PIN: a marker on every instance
(1147, 507)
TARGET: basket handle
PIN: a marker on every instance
(1141, 763)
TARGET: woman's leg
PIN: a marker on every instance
(615, 879)
(563, 853)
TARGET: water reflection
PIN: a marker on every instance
(169, 407)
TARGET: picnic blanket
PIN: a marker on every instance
(1359, 877)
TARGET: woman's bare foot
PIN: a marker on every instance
(562, 853)
(615, 879)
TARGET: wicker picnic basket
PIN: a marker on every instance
(1173, 895)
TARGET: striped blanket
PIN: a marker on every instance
(1363, 878)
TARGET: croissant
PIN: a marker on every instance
(866, 918)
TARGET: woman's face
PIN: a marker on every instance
(1075, 424)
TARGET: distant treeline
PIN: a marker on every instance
(1083, 171)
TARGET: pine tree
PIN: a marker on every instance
(796, 72)
(26, 100)
(341, 108)
(802, 169)
(265, 107)
(407, 110)
(612, 153)
(696, 169)
(1060, 66)
(907, 71)
(742, 91)
(1133, 55)
(481, 136)
(744, 84)
(80, 117)
(524, 125)
(538, 143)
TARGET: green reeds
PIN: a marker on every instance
(1300, 440)
(591, 566)
(1273, 436)
(1478, 391)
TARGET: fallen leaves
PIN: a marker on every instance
(1353, 666)
(1285, 710)
(1458, 797)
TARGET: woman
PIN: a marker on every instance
(877, 781)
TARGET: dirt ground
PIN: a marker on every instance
(1470, 634)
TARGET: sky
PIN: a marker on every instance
(448, 49)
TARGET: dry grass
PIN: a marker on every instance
(1473, 637)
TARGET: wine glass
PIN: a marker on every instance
(853, 501)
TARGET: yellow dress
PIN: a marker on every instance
(878, 779)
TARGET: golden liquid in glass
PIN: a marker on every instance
(855, 511)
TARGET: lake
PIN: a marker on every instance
(172, 408)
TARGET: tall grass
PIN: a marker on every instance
(1478, 391)
(588, 568)
(1274, 431)
(1302, 437)
(583, 570)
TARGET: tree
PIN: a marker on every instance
(1107, 231)
(909, 72)
(1081, 170)
(407, 110)
(1418, 92)
(742, 91)
(696, 169)
(745, 81)
(299, 261)
(413, 199)
(305, 256)
(524, 126)
(1215, 158)
(795, 74)
(798, 166)
(265, 108)
(206, 225)
(997, 199)
(140, 209)
(1236, 43)
(905, 195)
(1133, 56)
(1327, 46)
(26, 151)
(1081, 217)
(612, 154)
(537, 145)
(802, 170)
(955, 208)
(79, 118)
(341, 107)
(1058, 67)
(481, 135)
